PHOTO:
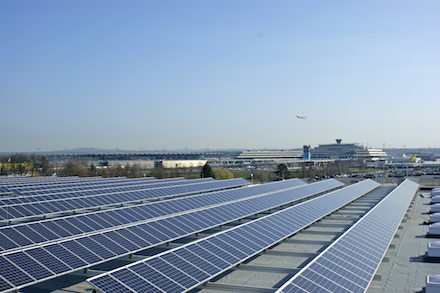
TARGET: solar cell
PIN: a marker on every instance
(156, 279)
(208, 256)
(127, 244)
(48, 260)
(30, 234)
(129, 235)
(99, 250)
(30, 266)
(43, 231)
(16, 236)
(109, 244)
(4, 285)
(55, 228)
(81, 251)
(65, 255)
(136, 286)
(13, 274)
(185, 266)
(195, 260)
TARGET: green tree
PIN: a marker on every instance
(133, 171)
(223, 173)
(282, 171)
(46, 168)
(207, 171)
(76, 167)
(92, 170)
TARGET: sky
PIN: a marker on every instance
(218, 74)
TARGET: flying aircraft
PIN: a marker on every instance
(301, 117)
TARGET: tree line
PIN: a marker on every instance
(39, 165)
(22, 164)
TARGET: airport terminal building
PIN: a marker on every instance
(346, 151)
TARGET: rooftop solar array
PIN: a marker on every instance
(83, 185)
(35, 264)
(186, 267)
(6, 183)
(350, 263)
(75, 190)
(11, 183)
(17, 211)
(78, 192)
(37, 232)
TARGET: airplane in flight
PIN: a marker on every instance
(301, 117)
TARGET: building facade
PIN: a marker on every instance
(346, 151)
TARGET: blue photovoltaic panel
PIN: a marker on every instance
(350, 263)
(4, 285)
(46, 230)
(65, 256)
(28, 192)
(82, 252)
(111, 285)
(50, 205)
(155, 279)
(30, 266)
(218, 254)
(48, 260)
(128, 184)
(141, 286)
(12, 274)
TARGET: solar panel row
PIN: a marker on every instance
(349, 264)
(65, 205)
(29, 181)
(74, 190)
(21, 186)
(61, 187)
(69, 255)
(12, 183)
(186, 267)
(78, 192)
(22, 235)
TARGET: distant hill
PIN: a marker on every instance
(88, 150)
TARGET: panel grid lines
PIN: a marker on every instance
(97, 222)
(56, 205)
(353, 262)
(217, 252)
(79, 256)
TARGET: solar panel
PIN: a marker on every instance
(103, 188)
(26, 185)
(75, 193)
(88, 185)
(18, 211)
(80, 252)
(216, 253)
(37, 232)
(349, 263)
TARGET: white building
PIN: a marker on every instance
(344, 151)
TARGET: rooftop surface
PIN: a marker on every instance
(404, 268)
(407, 267)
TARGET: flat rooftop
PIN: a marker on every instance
(403, 269)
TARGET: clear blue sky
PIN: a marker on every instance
(218, 74)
